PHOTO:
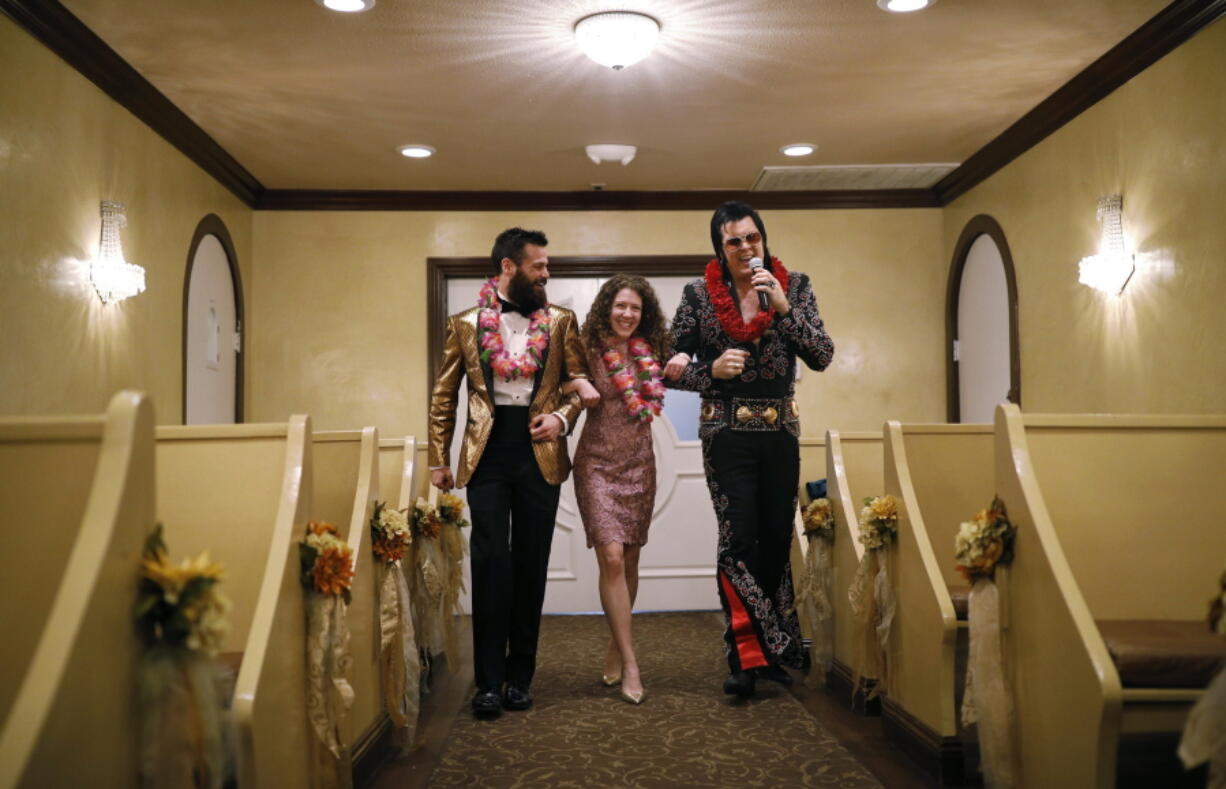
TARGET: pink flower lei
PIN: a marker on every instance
(641, 388)
(489, 339)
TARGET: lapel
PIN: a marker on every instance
(485, 383)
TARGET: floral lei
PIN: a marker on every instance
(489, 339)
(641, 389)
(729, 313)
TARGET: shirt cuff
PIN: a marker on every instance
(565, 421)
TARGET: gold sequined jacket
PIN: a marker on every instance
(462, 357)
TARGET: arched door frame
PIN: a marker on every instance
(212, 225)
(981, 225)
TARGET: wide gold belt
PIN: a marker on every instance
(750, 413)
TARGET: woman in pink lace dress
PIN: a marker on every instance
(615, 467)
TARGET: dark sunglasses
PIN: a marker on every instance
(736, 241)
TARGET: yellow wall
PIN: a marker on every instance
(341, 326)
(1160, 141)
(64, 147)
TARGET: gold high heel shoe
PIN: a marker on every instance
(634, 698)
(609, 680)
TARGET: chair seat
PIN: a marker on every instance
(961, 595)
(1155, 653)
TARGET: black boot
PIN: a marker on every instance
(739, 683)
(775, 674)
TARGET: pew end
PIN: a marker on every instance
(78, 615)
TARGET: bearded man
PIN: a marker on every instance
(516, 350)
(738, 332)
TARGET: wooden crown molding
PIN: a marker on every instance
(695, 200)
(1169, 28)
(71, 40)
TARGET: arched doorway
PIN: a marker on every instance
(982, 360)
(212, 328)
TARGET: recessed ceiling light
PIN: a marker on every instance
(904, 6)
(416, 151)
(347, 6)
(617, 38)
(798, 149)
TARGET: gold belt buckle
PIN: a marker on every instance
(745, 414)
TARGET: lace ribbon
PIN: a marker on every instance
(872, 601)
(1204, 735)
(181, 721)
(329, 695)
(986, 699)
(399, 667)
(813, 602)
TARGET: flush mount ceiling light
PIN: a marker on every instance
(416, 151)
(611, 153)
(617, 38)
(904, 6)
(798, 149)
(347, 6)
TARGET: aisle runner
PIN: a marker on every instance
(687, 733)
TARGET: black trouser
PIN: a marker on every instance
(513, 512)
(753, 478)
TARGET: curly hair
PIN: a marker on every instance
(597, 327)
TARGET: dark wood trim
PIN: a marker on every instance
(979, 226)
(372, 750)
(1169, 28)
(842, 684)
(694, 200)
(439, 270)
(69, 38)
(940, 757)
(212, 225)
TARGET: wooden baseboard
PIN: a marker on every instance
(940, 757)
(371, 750)
(841, 683)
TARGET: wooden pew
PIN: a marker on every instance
(1117, 518)
(397, 460)
(941, 475)
(79, 495)
(244, 493)
(853, 471)
(346, 487)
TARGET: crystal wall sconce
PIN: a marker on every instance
(1109, 270)
(114, 278)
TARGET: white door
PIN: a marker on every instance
(983, 352)
(212, 350)
(677, 566)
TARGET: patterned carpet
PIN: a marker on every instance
(686, 733)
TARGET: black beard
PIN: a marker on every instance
(525, 294)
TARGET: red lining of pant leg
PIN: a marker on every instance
(747, 648)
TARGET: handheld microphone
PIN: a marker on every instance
(754, 265)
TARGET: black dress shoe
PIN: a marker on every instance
(739, 683)
(486, 704)
(515, 697)
(776, 674)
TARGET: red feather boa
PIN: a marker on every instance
(729, 312)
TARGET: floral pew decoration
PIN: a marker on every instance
(399, 668)
(981, 545)
(1204, 735)
(326, 563)
(813, 597)
(438, 579)
(181, 618)
(870, 595)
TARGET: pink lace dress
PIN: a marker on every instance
(615, 468)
